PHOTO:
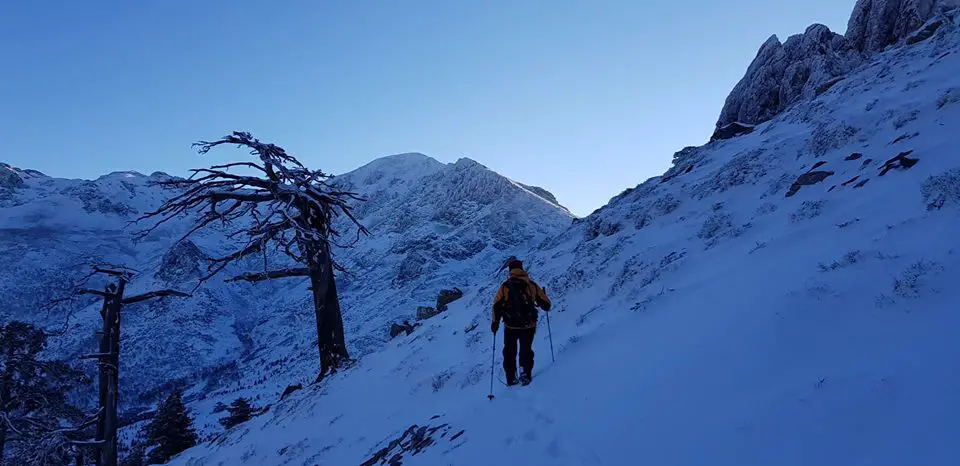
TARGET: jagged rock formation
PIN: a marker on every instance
(181, 262)
(9, 178)
(783, 73)
(809, 64)
(876, 24)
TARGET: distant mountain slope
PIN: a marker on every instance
(427, 220)
(784, 297)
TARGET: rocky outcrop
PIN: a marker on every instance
(398, 329)
(877, 24)
(899, 162)
(808, 179)
(290, 389)
(413, 441)
(447, 297)
(9, 179)
(426, 312)
(784, 73)
(809, 64)
(732, 130)
(181, 262)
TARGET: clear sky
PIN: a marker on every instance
(584, 98)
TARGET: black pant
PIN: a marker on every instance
(511, 339)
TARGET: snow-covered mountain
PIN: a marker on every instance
(782, 297)
(428, 221)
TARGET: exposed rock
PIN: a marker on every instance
(9, 179)
(904, 138)
(807, 179)
(851, 180)
(731, 130)
(861, 184)
(854, 156)
(426, 312)
(290, 389)
(809, 64)
(783, 73)
(542, 193)
(829, 84)
(405, 327)
(94, 200)
(876, 24)
(866, 163)
(900, 162)
(181, 262)
(926, 32)
(412, 442)
(447, 297)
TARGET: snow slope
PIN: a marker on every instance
(705, 316)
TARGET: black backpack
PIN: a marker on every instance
(520, 310)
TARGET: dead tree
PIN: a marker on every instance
(283, 207)
(108, 357)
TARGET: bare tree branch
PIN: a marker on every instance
(154, 294)
(261, 276)
(96, 356)
(94, 292)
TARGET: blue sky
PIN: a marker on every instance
(584, 98)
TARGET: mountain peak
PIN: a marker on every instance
(809, 64)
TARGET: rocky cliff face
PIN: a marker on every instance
(876, 24)
(783, 73)
(809, 64)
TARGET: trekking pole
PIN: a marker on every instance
(550, 333)
(493, 356)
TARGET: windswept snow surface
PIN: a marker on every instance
(702, 318)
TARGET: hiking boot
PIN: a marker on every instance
(525, 379)
(511, 379)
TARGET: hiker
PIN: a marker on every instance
(516, 303)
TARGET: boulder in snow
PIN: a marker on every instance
(290, 389)
(426, 312)
(900, 162)
(731, 130)
(405, 327)
(808, 179)
(447, 297)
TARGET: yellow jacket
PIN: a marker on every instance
(535, 294)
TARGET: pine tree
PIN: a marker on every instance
(240, 411)
(136, 456)
(34, 394)
(171, 431)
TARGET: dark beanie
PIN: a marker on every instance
(515, 264)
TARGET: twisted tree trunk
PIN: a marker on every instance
(326, 304)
